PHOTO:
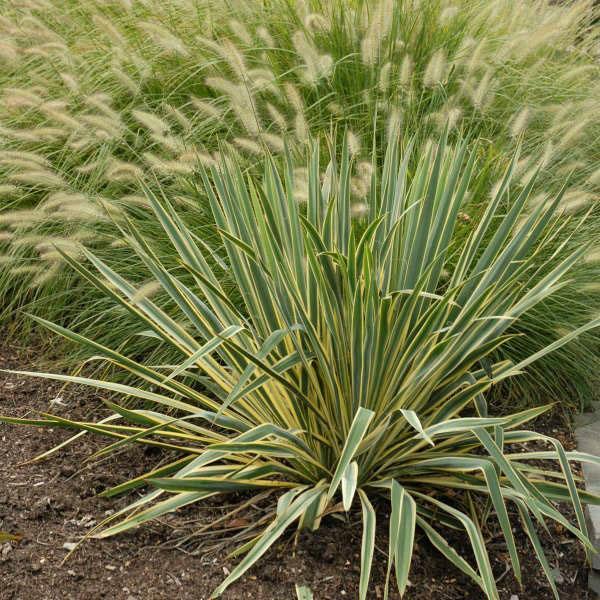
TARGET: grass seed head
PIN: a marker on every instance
(146, 291)
(165, 39)
(263, 33)
(277, 117)
(435, 71)
(519, 122)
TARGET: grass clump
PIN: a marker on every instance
(97, 97)
(355, 365)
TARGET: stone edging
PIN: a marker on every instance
(587, 434)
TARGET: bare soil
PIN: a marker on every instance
(53, 502)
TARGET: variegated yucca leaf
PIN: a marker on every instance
(357, 365)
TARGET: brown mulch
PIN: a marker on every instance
(53, 502)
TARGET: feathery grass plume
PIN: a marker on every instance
(447, 117)
(18, 163)
(248, 145)
(384, 77)
(82, 141)
(6, 24)
(301, 128)
(9, 53)
(169, 142)
(102, 102)
(211, 45)
(244, 108)
(519, 122)
(359, 210)
(36, 24)
(167, 167)
(378, 28)
(293, 96)
(277, 117)
(90, 167)
(39, 178)
(207, 108)
(241, 101)
(229, 53)
(183, 202)
(594, 178)
(18, 98)
(235, 59)
(57, 113)
(274, 142)
(570, 167)
(470, 54)
(135, 200)
(119, 244)
(46, 275)
(316, 66)
(335, 109)
(317, 22)
(123, 172)
(26, 270)
(562, 114)
(48, 50)
(548, 155)
(591, 288)
(394, 123)
(452, 116)
(146, 291)
(353, 143)
(569, 136)
(361, 184)
(35, 135)
(164, 38)
(300, 183)
(263, 33)
(29, 156)
(21, 218)
(151, 121)
(8, 190)
(105, 27)
(482, 94)
(577, 72)
(102, 126)
(263, 80)
(576, 201)
(195, 156)
(29, 239)
(85, 212)
(143, 68)
(53, 105)
(406, 71)
(447, 15)
(125, 80)
(57, 200)
(241, 32)
(593, 256)
(127, 5)
(178, 117)
(435, 71)
(48, 249)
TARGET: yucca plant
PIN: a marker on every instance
(357, 366)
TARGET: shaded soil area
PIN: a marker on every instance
(52, 503)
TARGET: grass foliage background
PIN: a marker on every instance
(98, 95)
